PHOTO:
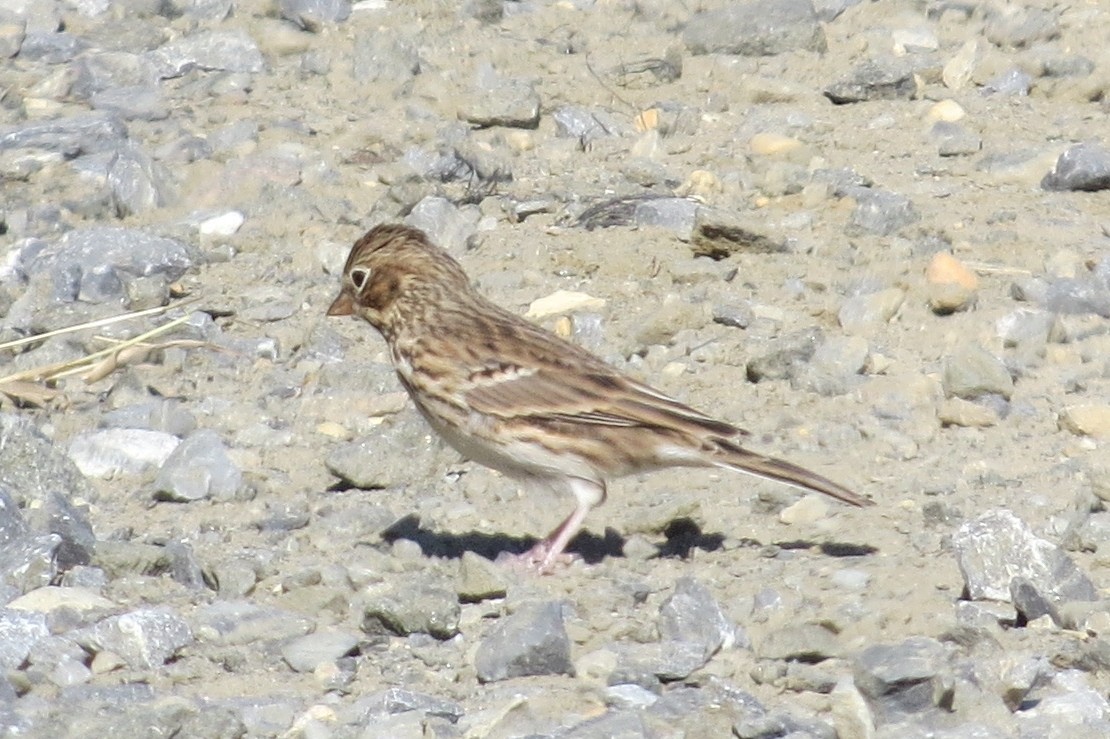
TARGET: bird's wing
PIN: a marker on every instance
(596, 396)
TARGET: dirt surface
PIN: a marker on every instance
(332, 156)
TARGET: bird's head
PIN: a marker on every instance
(395, 269)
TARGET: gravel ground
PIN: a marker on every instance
(875, 234)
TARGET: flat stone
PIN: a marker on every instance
(144, 638)
(960, 412)
(532, 641)
(51, 598)
(111, 453)
(306, 653)
(692, 615)
(874, 79)
(199, 467)
(1086, 419)
(996, 547)
(479, 579)
(806, 642)
(719, 234)
(1084, 167)
(763, 28)
(416, 608)
(972, 372)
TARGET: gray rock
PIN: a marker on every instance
(234, 577)
(89, 578)
(138, 183)
(130, 252)
(532, 641)
(34, 468)
(384, 459)
(61, 518)
(13, 30)
(1070, 65)
(830, 10)
(881, 212)
(114, 452)
(51, 48)
(185, 568)
(691, 615)
(312, 15)
(902, 678)
(118, 558)
(1018, 27)
(306, 652)
(781, 724)
(756, 29)
(807, 642)
(835, 367)
(225, 51)
(84, 133)
(205, 10)
(785, 356)
(236, 622)
(19, 632)
(479, 579)
(446, 224)
(12, 524)
(416, 608)
(1067, 707)
(510, 103)
(997, 547)
(28, 563)
(954, 140)
(165, 414)
(234, 135)
(736, 315)
(1084, 167)
(1029, 331)
(648, 664)
(1009, 83)
(486, 11)
(842, 355)
(674, 214)
(199, 468)
(1030, 602)
(972, 372)
(1018, 675)
(1077, 296)
(136, 102)
(144, 638)
(875, 79)
(383, 57)
(106, 71)
(393, 701)
(587, 124)
(720, 234)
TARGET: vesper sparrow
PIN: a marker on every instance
(512, 396)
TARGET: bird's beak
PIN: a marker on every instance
(343, 305)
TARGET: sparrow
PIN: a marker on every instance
(515, 397)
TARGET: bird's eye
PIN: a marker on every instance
(359, 276)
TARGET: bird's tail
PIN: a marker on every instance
(735, 457)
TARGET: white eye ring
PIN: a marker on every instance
(360, 276)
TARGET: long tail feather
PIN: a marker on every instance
(737, 458)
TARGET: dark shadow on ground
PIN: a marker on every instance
(683, 536)
(589, 546)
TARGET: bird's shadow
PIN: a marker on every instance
(683, 536)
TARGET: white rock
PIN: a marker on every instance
(563, 301)
(222, 225)
(111, 452)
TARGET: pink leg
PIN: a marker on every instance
(549, 552)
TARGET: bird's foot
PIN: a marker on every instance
(539, 560)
